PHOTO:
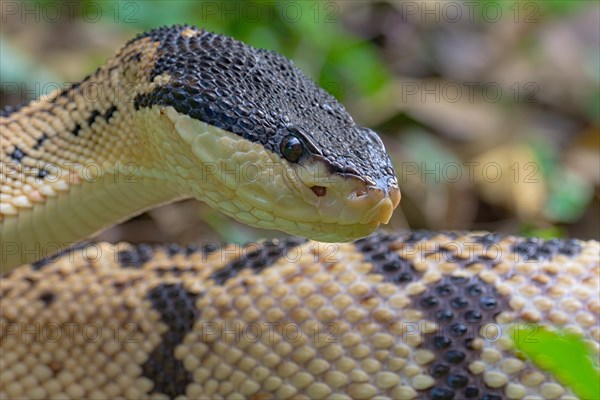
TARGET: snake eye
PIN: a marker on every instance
(292, 148)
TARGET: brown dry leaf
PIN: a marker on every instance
(449, 107)
(584, 155)
(510, 176)
(374, 109)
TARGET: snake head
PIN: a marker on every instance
(262, 142)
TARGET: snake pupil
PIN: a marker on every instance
(292, 148)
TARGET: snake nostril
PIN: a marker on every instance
(319, 190)
(360, 192)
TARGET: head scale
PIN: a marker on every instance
(343, 176)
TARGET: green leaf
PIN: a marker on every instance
(527, 11)
(569, 195)
(565, 355)
(372, 74)
(593, 106)
(425, 148)
(15, 67)
(548, 233)
(560, 8)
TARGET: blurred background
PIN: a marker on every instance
(490, 110)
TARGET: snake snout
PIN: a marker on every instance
(393, 192)
(384, 199)
(383, 188)
(369, 203)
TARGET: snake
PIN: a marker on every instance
(340, 309)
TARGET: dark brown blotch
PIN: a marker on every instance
(460, 306)
(47, 298)
(177, 309)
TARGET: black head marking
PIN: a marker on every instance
(263, 97)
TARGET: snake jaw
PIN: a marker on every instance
(307, 198)
(368, 205)
(346, 199)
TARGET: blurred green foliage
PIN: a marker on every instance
(565, 355)
(290, 28)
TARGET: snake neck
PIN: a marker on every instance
(181, 113)
(79, 160)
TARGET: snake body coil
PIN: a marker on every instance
(180, 112)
